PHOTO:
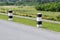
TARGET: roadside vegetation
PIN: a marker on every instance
(53, 7)
(46, 25)
(50, 11)
(30, 11)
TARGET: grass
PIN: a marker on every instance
(46, 25)
(51, 26)
(20, 10)
(27, 10)
(25, 21)
(4, 17)
(30, 11)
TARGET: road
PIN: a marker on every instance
(44, 20)
(14, 31)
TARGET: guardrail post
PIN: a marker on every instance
(39, 20)
(10, 15)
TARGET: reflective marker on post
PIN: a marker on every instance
(10, 15)
(39, 20)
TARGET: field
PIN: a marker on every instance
(20, 10)
(30, 11)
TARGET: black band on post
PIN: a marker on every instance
(39, 15)
(39, 22)
(10, 11)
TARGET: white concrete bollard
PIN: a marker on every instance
(10, 15)
(39, 20)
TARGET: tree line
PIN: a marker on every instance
(53, 6)
(25, 2)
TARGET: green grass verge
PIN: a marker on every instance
(51, 26)
(46, 25)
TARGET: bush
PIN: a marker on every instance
(54, 6)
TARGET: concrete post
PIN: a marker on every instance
(10, 15)
(39, 20)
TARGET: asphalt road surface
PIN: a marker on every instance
(14, 31)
